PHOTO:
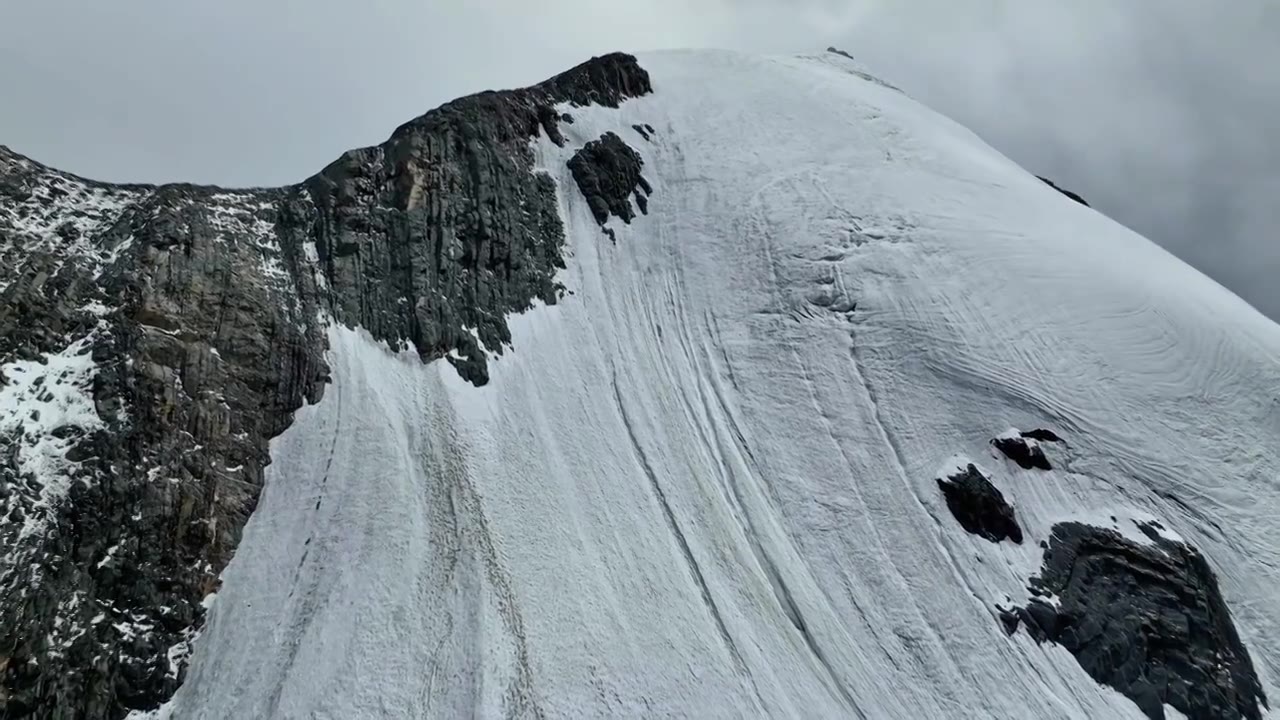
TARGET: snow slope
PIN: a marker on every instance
(704, 484)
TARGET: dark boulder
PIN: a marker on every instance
(979, 506)
(1028, 455)
(1010, 618)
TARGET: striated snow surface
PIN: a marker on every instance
(704, 484)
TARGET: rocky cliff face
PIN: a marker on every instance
(154, 339)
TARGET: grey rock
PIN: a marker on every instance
(1010, 618)
(1041, 435)
(607, 172)
(1027, 455)
(1062, 190)
(1146, 620)
(979, 506)
(198, 314)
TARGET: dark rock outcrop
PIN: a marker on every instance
(858, 72)
(979, 506)
(1146, 620)
(607, 172)
(183, 325)
(446, 226)
(1027, 454)
(1041, 435)
(1062, 190)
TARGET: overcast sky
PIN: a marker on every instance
(1164, 114)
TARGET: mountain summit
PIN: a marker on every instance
(697, 384)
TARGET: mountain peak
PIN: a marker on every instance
(686, 385)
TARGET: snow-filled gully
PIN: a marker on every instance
(705, 483)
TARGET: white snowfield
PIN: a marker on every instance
(703, 485)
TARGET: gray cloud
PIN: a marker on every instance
(1159, 111)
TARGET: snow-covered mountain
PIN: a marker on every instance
(692, 385)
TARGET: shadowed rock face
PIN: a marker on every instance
(182, 325)
(1147, 620)
(979, 506)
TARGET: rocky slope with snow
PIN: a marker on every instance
(699, 385)
(153, 339)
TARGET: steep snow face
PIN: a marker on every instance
(705, 484)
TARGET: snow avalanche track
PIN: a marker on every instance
(703, 485)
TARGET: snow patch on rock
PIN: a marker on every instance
(58, 214)
(46, 405)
